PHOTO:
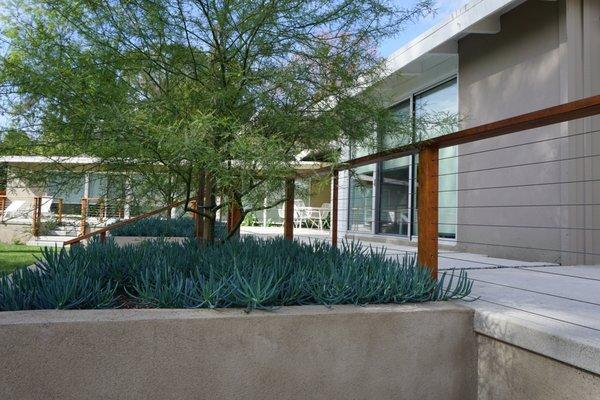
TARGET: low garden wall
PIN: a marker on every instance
(11, 233)
(425, 351)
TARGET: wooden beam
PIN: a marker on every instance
(334, 209)
(78, 239)
(288, 223)
(59, 211)
(83, 223)
(2, 206)
(427, 202)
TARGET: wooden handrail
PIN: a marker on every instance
(123, 223)
(585, 107)
(428, 151)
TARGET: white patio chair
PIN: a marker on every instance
(45, 207)
(325, 211)
(299, 213)
(14, 209)
(312, 217)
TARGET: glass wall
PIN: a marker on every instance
(425, 115)
(66, 185)
(405, 133)
(436, 113)
(360, 205)
(394, 207)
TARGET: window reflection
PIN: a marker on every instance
(360, 218)
(436, 113)
(433, 113)
(394, 210)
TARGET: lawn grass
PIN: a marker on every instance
(13, 256)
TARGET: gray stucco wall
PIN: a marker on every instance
(530, 65)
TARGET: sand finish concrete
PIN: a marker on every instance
(424, 352)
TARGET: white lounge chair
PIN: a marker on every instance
(45, 207)
(299, 213)
(14, 209)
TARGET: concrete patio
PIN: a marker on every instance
(548, 309)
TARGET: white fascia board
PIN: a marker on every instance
(82, 160)
(470, 18)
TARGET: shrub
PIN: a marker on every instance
(250, 273)
(162, 227)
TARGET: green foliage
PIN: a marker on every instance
(249, 273)
(47, 226)
(170, 90)
(250, 220)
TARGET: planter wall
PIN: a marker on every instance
(420, 352)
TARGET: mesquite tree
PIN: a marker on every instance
(226, 96)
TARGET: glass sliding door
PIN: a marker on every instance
(394, 192)
(360, 213)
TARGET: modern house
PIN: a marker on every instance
(490, 60)
(74, 184)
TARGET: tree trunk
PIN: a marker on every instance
(209, 219)
(234, 216)
(200, 205)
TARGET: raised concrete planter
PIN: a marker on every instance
(125, 240)
(425, 351)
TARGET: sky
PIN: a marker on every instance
(412, 30)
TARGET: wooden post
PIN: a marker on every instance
(334, 209)
(101, 210)
(37, 215)
(84, 211)
(2, 207)
(102, 237)
(428, 209)
(288, 222)
(233, 216)
(59, 211)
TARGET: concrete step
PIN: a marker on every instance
(49, 241)
(64, 231)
